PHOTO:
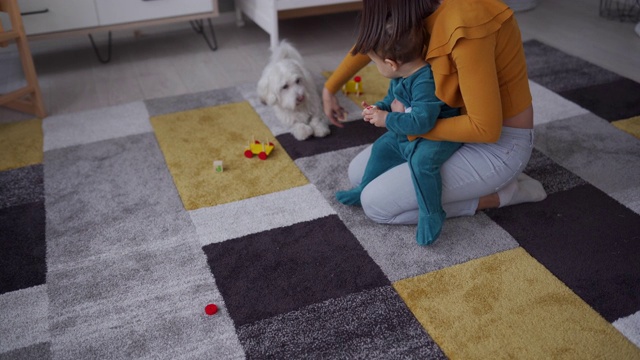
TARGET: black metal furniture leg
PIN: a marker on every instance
(95, 48)
(198, 27)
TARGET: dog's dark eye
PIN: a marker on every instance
(285, 87)
(298, 81)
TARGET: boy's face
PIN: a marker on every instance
(387, 68)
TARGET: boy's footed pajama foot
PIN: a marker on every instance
(429, 227)
(350, 197)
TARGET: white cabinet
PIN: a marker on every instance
(44, 16)
(299, 4)
(123, 11)
(265, 13)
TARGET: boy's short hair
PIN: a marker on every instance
(408, 46)
(385, 23)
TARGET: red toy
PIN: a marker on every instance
(353, 86)
(211, 309)
(261, 149)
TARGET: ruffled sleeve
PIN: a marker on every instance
(349, 66)
(464, 19)
(462, 46)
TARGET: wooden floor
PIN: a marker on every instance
(173, 60)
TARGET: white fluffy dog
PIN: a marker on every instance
(288, 87)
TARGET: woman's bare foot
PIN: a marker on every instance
(490, 201)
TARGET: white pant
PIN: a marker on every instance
(475, 170)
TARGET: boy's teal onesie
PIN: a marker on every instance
(422, 109)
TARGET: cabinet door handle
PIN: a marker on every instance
(35, 12)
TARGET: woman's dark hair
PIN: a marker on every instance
(384, 22)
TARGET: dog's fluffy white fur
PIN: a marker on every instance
(288, 87)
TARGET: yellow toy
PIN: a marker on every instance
(353, 86)
(257, 148)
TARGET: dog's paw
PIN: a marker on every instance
(321, 130)
(301, 131)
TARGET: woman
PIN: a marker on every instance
(477, 58)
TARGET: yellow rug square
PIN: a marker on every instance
(508, 306)
(21, 144)
(631, 125)
(374, 85)
(192, 140)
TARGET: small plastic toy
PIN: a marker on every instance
(344, 117)
(257, 148)
(353, 86)
(211, 309)
(217, 166)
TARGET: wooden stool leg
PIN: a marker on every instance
(29, 98)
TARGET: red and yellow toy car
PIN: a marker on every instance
(257, 148)
(353, 86)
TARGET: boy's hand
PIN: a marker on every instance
(377, 117)
(367, 109)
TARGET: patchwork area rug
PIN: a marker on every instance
(116, 231)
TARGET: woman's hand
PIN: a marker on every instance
(332, 109)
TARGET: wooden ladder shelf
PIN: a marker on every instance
(26, 99)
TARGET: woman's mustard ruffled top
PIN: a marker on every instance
(476, 55)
